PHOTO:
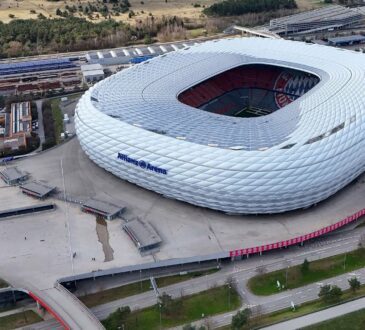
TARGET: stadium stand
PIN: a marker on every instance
(249, 90)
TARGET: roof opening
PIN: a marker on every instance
(249, 90)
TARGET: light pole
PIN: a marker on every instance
(344, 261)
(286, 277)
(160, 316)
(67, 219)
(140, 278)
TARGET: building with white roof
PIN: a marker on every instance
(246, 125)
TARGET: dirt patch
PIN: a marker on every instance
(103, 237)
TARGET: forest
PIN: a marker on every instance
(240, 7)
(40, 36)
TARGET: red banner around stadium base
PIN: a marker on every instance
(299, 239)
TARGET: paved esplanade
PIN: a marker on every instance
(324, 315)
(240, 273)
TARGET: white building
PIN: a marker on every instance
(92, 72)
(295, 136)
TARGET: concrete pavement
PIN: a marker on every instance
(241, 271)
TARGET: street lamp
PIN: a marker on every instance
(160, 317)
(286, 277)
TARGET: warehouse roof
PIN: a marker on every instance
(142, 233)
(37, 189)
(12, 174)
(102, 207)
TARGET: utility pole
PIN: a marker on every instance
(140, 278)
(160, 317)
(344, 261)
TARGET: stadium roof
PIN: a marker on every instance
(145, 96)
(133, 125)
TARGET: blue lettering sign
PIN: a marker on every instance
(142, 164)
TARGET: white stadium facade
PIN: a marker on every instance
(246, 126)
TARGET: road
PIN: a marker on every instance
(318, 317)
(241, 271)
(65, 306)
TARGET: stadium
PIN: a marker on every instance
(243, 126)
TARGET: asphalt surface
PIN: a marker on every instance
(240, 271)
(321, 316)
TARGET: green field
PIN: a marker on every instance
(303, 309)
(58, 119)
(353, 321)
(120, 292)
(18, 320)
(293, 277)
(213, 301)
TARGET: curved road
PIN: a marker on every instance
(240, 272)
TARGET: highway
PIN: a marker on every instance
(240, 271)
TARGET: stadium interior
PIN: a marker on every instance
(249, 90)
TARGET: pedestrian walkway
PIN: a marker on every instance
(321, 316)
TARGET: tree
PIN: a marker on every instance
(240, 7)
(240, 319)
(305, 266)
(170, 306)
(260, 270)
(354, 284)
(362, 241)
(330, 293)
(115, 319)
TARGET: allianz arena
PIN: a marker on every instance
(246, 126)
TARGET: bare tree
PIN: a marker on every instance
(362, 241)
(260, 270)
(208, 323)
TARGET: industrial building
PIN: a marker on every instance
(37, 189)
(346, 41)
(124, 56)
(13, 176)
(106, 210)
(92, 72)
(143, 235)
(15, 127)
(34, 66)
(328, 18)
(269, 126)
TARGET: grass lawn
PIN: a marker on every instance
(120, 292)
(319, 270)
(58, 119)
(303, 309)
(210, 302)
(18, 320)
(353, 321)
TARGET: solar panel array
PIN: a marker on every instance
(32, 66)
